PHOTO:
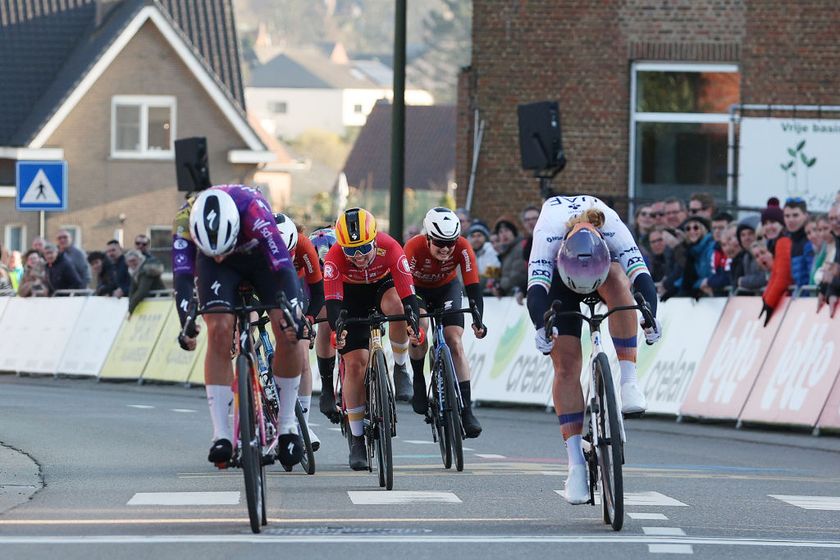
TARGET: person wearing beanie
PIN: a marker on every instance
(772, 222)
(514, 273)
(487, 260)
(748, 275)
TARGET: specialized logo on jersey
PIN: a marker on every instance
(330, 271)
(215, 287)
(180, 244)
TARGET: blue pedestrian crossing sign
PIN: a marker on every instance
(41, 185)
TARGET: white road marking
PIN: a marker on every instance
(648, 516)
(670, 549)
(334, 429)
(183, 410)
(142, 406)
(369, 498)
(490, 456)
(641, 499)
(663, 531)
(313, 424)
(552, 473)
(824, 503)
(420, 442)
(184, 499)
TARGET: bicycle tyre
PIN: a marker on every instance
(438, 422)
(610, 447)
(307, 462)
(250, 447)
(452, 410)
(385, 421)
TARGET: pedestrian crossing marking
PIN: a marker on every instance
(670, 549)
(663, 531)
(378, 498)
(183, 410)
(140, 406)
(824, 503)
(648, 516)
(490, 456)
(184, 499)
(641, 499)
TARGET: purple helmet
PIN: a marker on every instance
(323, 238)
(583, 260)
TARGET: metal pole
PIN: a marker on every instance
(398, 125)
(730, 160)
(41, 221)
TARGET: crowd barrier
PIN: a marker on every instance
(716, 359)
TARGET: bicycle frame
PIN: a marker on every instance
(597, 348)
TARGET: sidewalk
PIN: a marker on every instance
(20, 478)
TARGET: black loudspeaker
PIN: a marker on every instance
(540, 140)
(191, 166)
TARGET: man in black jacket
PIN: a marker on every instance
(115, 253)
(61, 274)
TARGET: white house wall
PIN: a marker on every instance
(305, 109)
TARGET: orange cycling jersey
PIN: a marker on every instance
(389, 259)
(305, 258)
(429, 272)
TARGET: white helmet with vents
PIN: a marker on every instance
(288, 230)
(214, 223)
(442, 223)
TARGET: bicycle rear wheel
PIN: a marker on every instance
(250, 445)
(452, 410)
(308, 459)
(383, 416)
(610, 447)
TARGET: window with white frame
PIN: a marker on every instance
(678, 128)
(143, 126)
(358, 109)
(14, 237)
(160, 238)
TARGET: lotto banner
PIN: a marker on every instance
(91, 340)
(732, 360)
(666, 369)
(137, 338)
(830, 417)
(168, 361)
(800, 369)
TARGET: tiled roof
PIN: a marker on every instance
(429, 148)
(49, 46)
(308, 69)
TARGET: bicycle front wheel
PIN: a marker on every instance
(249, 443)
(452, 410)
(308, 459)
(610, 447)
(438, 420)
(384, 419)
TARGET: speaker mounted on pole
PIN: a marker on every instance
(191, 164)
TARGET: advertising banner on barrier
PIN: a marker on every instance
(37, 332)
(830, 417)
(91, 339)
(3, 301)
(665, 370)
(732, 360)
(168, 361)
(797, 377)
(137, 338)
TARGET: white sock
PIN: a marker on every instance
(356, 417)
(288, 388)
(304, 404)
(575, 450)
(628, 371)
(400, 352)
(219, 399)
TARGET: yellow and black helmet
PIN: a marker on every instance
(355, 227)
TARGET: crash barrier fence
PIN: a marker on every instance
(717, 360)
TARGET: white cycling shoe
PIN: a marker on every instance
(314, 440)
(577, 487)
(633, 401)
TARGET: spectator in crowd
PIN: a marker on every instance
(143, 244)
(5, 274)
(720, 260)
(699, 247)
(763, 257)
(643, 223)
(748, 275)
(74, 255)
(675, 213)
(15, 269)
(115, 253)
(829, 272)
(702, 204)
(817, 240)
(465, 218)
(657, 212)
(145, 277)
(486, 258)
(514, 269)
(825, 258)
(34, 281)
(38, 245)
(793, 257)
(61, 274)
(530, 215)
(103, 273)
(661, 261)
(772, 223)
(720, 222)
(725, 269)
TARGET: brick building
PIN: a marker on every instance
(644, 88)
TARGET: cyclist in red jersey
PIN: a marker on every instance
(305, 261)
(363, 271)
(434, 259)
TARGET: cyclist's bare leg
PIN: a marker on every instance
(218, 377)
(286, 366)
(353, 388)
(391, 304)
(623, 326)
(568, 395)
(305, 389)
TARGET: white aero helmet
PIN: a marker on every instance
(442, 223)
(288, 230)
(214, 223)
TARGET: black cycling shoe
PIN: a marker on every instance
(289, 449)
(358, 454)
(472, 427)
(420, 401)
(326, 404)
(221, 451)
(402, 385)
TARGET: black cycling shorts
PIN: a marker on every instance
(359, 299)
(446, 297)
(569, 301)
(218, 283)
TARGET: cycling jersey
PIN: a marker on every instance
(389, 259)
(429, 272)
(305, 259)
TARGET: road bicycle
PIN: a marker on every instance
(254, 425)
(445, 403)
(604, 437)
(380, 421)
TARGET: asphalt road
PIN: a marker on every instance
(107, 467)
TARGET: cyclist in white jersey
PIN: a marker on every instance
(581, 246)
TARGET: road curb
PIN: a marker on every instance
(20, 477)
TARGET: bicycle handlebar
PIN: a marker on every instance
(555, 312)
(440, 313)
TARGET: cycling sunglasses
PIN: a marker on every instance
(359, 250)
(443, 244)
